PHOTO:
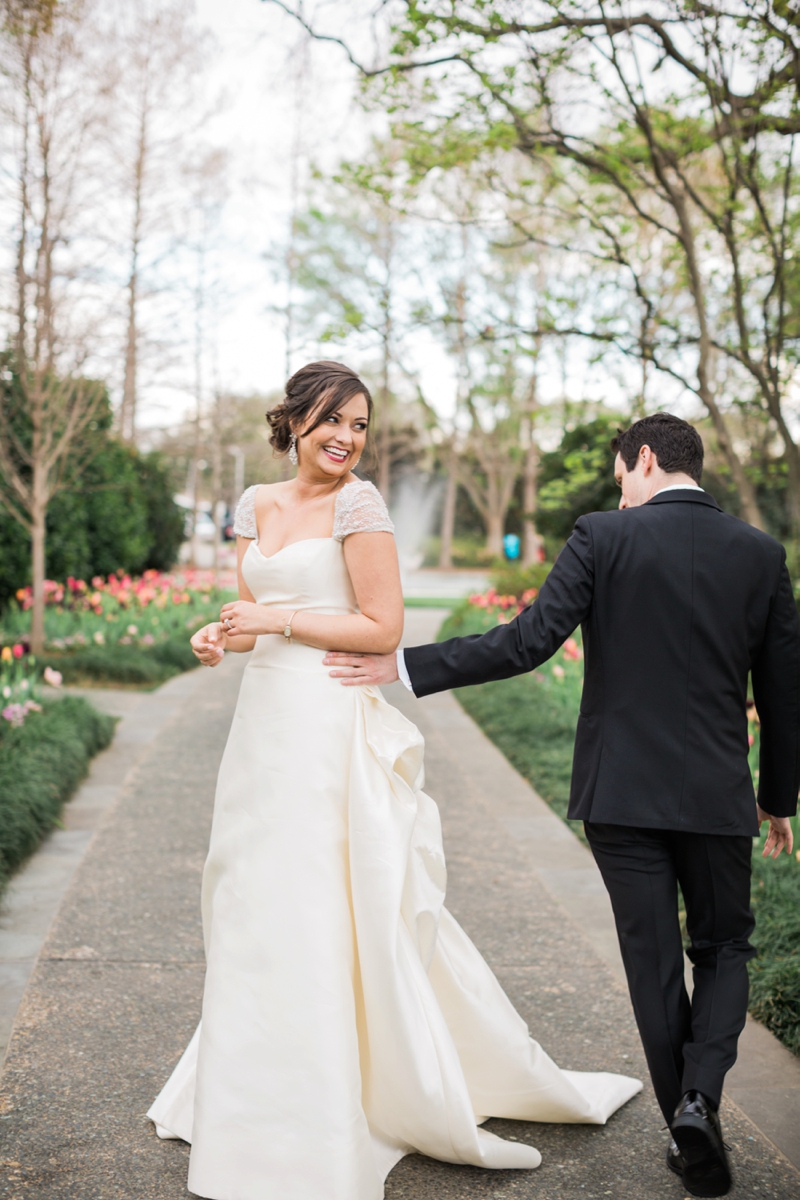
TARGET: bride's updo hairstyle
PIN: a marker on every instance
(315, 391)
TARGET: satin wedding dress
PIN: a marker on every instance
(347, 1018)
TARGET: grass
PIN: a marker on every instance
(41, 764)
(532, 719)
(430, 602)
(775, 974)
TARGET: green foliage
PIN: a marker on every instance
(531, 718)
(120, 517)
(41, 763)
(143, 666)
(775, 974)
(100, 527)
(513, 580)
(578, 477)
(466, 552)
(165, 520)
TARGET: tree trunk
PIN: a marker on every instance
(385, 428)
(495, 528)
(793, 469)
(531, 541)
(448, 521)
(216, 482)
(384, 454)
(791, 452)
(747, 495)
(38, 515)
(128, 413)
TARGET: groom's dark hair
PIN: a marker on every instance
(675, 443)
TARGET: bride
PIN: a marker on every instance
(347, 1018)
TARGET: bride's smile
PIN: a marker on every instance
(332, 449)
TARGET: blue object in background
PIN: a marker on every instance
(511, 546)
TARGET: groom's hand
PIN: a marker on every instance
(780, 834)
(362, 670)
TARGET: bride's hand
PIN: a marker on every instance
(241, 618)
(209, 644)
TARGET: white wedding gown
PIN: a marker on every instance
(347, 1018)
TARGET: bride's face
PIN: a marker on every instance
(335, 446)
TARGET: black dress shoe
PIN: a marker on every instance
(675, 1160)
(696, 1131)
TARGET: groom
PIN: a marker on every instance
(678, 603)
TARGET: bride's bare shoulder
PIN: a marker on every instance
(254, 505)
(269, 494)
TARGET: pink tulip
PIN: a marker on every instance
(18, 650)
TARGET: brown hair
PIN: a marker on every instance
(675, 443)
(320, 388)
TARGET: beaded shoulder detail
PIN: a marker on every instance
(360, 508)
(244, 519)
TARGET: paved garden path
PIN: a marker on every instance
(115, 993)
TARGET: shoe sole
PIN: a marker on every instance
(706, 1173)
(676, 1170)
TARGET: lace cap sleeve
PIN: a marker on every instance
(244, 519)
(360, 509)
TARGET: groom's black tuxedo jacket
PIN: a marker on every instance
(677, 602)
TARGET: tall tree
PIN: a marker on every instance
(54, 99)
(683, 121)
(159, 53)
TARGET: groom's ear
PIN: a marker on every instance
(646, 459)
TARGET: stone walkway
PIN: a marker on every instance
(115, 993)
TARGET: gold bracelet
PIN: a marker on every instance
(287, 629)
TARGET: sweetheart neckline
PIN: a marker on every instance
(299, 542)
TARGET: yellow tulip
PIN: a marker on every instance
(6, 654)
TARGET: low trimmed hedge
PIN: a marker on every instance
(41, 764)
(142, 665)
(775, 974)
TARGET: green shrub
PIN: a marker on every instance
(466, 552)
(115, 663)
(119, 515)
(41, 763)
(578, 477)
(775, 974)
(531, 718)
(514, 580)
(165, 520)
(464, 620)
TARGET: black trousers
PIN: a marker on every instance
(687, 1044)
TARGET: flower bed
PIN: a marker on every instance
(45, 749)
(119, 629)
(532, 719)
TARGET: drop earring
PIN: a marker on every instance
(293, 449)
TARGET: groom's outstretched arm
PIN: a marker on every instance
(776, 690)
(528, 640)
